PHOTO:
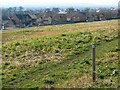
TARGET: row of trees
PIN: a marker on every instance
(13, 10)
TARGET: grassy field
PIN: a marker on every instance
(60, 56)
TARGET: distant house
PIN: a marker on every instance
(23, 20)
(47, 19)
(19, 20)
(7, 22)
(32, 19)
(76, 17)
(59, 18)
(56, 16)
(91, 16)
(100, 15)
(50, 18)
(106, 14)
(2, 26)
(39, 19)
(16, 21)
(114, 14)
(4, 22)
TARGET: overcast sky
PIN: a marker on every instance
(49, 3)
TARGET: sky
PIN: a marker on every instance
(55, 3)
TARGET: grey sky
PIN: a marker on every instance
(47, 3)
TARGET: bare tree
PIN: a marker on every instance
(21, 9)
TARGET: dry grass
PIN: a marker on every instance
(84, 81)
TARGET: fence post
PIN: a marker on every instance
(93, 63)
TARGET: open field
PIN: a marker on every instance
(60, 56)
(36, 32)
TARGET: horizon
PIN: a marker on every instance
(58, 3)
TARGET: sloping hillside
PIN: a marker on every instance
(60, 56)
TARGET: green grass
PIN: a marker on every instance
(62, 59)
(28, 33)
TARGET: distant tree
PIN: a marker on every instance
(4, 11)
(21, 9)
(30, 11)
(47, 10)
(70, 10)
(78, 10)
(10, 9)
(14, 9)
(55, 10)
(87, 9)
(41, 11)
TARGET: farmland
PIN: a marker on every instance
(60, 56)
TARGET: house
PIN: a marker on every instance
(6, 22)
(16, 21)
(31, 18)
(56, 16)
(100, 15)
(39, 19)
(2, 26)
(114, 14)
(76, 17)
(106, 14)
(44, 18)
(23, 20)
(47, 19)
(59, 18)
(91, 16)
